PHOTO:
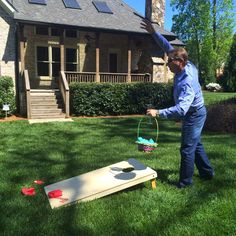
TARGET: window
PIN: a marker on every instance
(71, 33)
(44, 30)
(72, 4)
(71, 59)
(42, 61)
(41, 2)
(55, 32)
(41, 30)
(102, 7)
(56, 57)
(48, 61)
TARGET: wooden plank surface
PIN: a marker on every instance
(100, 182)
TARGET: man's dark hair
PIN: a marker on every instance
(179, 54)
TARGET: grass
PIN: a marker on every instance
(211, 97)
(57, 151)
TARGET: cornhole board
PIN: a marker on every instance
(101, 182)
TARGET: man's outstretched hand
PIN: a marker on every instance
(146, 24)
(152, 112)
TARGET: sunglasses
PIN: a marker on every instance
(170, 59)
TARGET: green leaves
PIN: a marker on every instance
(6, 94)
(118, 99)
(228, 80)
(207, 29)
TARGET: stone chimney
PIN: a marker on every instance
(155, 11)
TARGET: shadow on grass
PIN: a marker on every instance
(61, 151)
(38, 153)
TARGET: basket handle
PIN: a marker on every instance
(157, 127)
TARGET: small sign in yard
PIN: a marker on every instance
(6, 108)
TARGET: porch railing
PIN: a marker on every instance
(147, 78)
(113, 77)
(64, 88)
(86, 77)
(90, 77)
(27, 90)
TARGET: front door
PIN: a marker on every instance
(56, 65)
(48, 64)
(113, 60)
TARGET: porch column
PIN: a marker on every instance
(129, 61)
(22, 49)
(165, 67)
(97, 79)
(62, 50)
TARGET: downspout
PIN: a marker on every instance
(17, 75)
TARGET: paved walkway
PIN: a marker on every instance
(34, 121)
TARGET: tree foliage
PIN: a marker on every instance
(206, 26)
(228, 80)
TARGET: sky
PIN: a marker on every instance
(139, 6)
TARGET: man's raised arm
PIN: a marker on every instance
(159, 39)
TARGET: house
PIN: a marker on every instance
(47, 44)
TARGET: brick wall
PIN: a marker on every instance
(155, 11)
(7, 45)
(161, 72)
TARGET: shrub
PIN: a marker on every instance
(7, 94)
(221, 117)
(118, 99)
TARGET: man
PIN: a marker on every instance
(189, 106)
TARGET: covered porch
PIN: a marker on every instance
(84, 56)
(52, 58)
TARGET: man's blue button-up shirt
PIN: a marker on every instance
(187, 90)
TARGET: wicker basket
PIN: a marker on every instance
(147, 147)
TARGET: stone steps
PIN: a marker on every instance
(46, 104)
(47, 116)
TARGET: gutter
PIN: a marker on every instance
(7, 7)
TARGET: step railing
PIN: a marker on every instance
(65, 92)
(27, 90)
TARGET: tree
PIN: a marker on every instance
(206, 26)
(228, 80)
(222, 28)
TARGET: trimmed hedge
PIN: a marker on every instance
(221, 116)
(92, 99)
(7, 95)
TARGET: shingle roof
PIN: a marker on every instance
(177, 42)
(124, 18)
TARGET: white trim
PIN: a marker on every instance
(7, 7)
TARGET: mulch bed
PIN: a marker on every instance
(12, 118)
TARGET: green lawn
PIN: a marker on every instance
(211, 97)
(57, 151)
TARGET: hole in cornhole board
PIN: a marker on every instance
(128, 169)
